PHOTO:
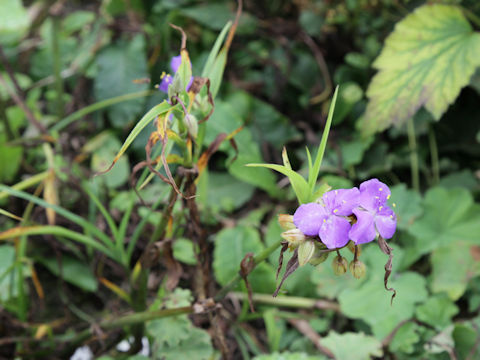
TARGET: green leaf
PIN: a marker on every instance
(103, 148)
(426, 61)
(14, 21)
(370, 302)
(231, 246)
(437, 311)
(352, 346)
(405, 338)
(73, 271)
(249, 152)
(289, 356)
(313, 172)
(183, 251)
(207, 69)
(299, 184)
(169, 331)
(118, 66)
(197, 345)
(449, 215)
(407, 205)
(454, 266)
(466, 338)
(222, 192)
(8, 285)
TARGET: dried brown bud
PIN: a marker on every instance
(294, 237)
(286, 221)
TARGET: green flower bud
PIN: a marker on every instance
(286, 221)
(339, 265)
(358, 269)
(319, 256)
(191, 123)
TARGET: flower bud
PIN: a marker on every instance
(191, 123)
(339, 265)
(286, 221)
(358, 269)
(318, 257)
(294, 237)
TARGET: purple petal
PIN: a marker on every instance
(309, 217)
(363, 231)
(166, 81)
(386, 222)
(334, 231)
(341, 201)
(373, 194)
(175, 63)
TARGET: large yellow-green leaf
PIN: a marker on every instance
(426, 61)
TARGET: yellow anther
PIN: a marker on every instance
(389, 196)
(163, 75)
(334, 211)
(394, 205)
(380, 208)
(324, 220)
(380, 189)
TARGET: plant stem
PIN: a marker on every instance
(256, 260)
(290, 301)
(434, 155)
(412, 144)
(57, 65)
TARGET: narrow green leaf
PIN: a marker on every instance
(58, 231)
(313, 174)
(144, 121)
(299, 184)
(59, 210)
(214, 52)
(430, 56)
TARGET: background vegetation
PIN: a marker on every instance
(84, 260)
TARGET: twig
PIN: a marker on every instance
(17, 94)
(304, 327)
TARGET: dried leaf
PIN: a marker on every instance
(292, 265)
(280, 258)
(246, 266)
(386, 249)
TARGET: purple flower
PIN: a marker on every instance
(329, 221)
(167, 79)
(373, 214)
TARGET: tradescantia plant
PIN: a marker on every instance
(327, 221)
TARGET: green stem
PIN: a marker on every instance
(434, 155)
(290, 301)
(25, 184)
(98, 106)
(57, 66)
(256, 260)
(412, 144)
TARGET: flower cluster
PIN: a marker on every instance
(348, 214)
(167, 79)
